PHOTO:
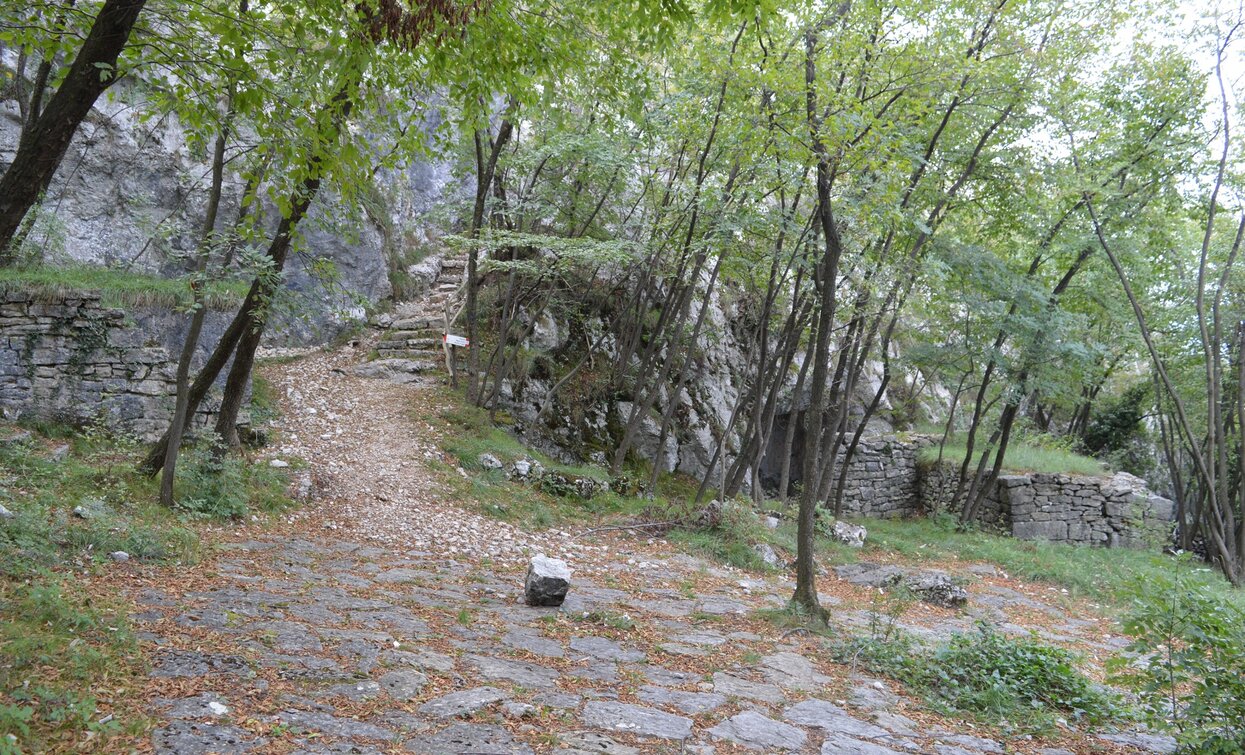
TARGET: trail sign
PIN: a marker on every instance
(454, 340)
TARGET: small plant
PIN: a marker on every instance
(611, 619)
(1187, 662)
(1017, 683)
(212, 483)
(466, 617)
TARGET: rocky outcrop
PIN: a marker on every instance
(69, 359)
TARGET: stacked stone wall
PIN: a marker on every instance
(882, 478)
(69, 359)
(1115, 510)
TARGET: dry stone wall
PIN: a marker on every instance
(70, 359)
(1113, 511)
(882, 478)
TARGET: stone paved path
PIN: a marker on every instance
(385, 617)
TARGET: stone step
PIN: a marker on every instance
(412, 344)
(417, 323)
(406, 335)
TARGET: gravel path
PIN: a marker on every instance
(368, 444)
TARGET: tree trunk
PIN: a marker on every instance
(44, 144)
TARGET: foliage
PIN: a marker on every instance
(1018, 683)
(1187, 662)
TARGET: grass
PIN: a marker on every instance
(117, 288)
(1107, 575)
(1021, 457)
(472, 434)
(1020, 685)
(70, 666)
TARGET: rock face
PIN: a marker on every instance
(71, 359)
(548, 580)
(132, 193)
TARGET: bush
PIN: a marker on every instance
(213, 484)
(1187, 662)
(1018, 683)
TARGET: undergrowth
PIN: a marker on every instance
(1018, 684)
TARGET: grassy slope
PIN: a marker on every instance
(1021, 457)
(117, 288)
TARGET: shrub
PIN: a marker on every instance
(1018, 683)
(1187, 662)
(212, 483)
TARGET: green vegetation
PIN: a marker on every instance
(69, 664)
(69, 658)
(1189, 662)
(1018, 684)
(1021, 457)
(117, 288)
(540, 505)
(1101, 574)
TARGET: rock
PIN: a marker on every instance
(734, 686)
(16, 439)
(937, 589)
(462, 703)
(833, 719)
(547, 582)
(838, 745)
(519, 710)
(526, 469)
(403, 684)
(605, 649)
(524, 674)
(489, 461)
(346, 728)
(636, 719)
(90, 508)
(60, 453)
(756, 732)
(5, 513)
(852, 535)
(468, 738)
(119, 556)
(1156, 743)
(533, 643)
(866, 574)
(190, 738)
(593, 743)
(793, 671)
(767, 554)
(691, 703)
(772, 522)
(279, 464)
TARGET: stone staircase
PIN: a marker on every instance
(411, 341)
